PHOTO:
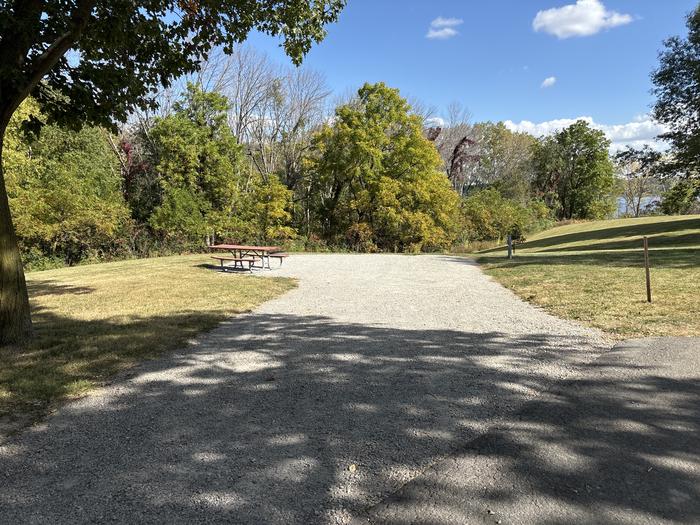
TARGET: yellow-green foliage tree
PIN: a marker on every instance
(376, 180)
(64, 191)
(207, 184)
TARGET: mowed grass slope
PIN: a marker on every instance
(594, 272)
(93, 321)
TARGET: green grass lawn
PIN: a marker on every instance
(593, 272)
(93, 321)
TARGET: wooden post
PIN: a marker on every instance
(646, 267)
(510, 246)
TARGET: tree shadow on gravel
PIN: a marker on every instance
(300, 419)
(618, 445)
(67, 356)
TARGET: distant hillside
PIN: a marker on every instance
(681, 231)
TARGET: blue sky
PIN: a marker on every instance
(493, 56)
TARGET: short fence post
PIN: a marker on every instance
(510, 246)
(646, 268)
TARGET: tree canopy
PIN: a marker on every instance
(377, 180)
(94, 60)
(206, 186)
(677, 90)
(506, 160)
(573, 172)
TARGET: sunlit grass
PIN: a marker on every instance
(594, 273)
(93, 321)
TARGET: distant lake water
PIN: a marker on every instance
(647, 202)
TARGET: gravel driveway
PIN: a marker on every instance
(311, 409)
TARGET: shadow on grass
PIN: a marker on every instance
(633, 230)
(658, 241)
(68, 356)
(260, 422)
(42, 288)
(662, 258)
(218, 268)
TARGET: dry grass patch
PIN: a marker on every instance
(594, 273)
(93, 321)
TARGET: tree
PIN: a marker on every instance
(505, 162)
(279, 132)
(64, 188)
(678, 96)
(573, 172)
(638, 169)
(273, 110)
(377, 180)
(198, 166)
(682, 198)
(459, 145)
(93, 60)
(206, 184)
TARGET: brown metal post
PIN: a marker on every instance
(646, 268)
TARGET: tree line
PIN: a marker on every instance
(249, 152)
(246, 151)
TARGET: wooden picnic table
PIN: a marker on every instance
(242, 250)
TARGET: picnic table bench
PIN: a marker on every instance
(236, 262)
(280, 256)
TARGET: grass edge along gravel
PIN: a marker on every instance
(94, 321)
(593, 272)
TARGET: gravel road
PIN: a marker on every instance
(311, 409)
(616, 443)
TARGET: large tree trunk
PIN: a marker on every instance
(15, 320)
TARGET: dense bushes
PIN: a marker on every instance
(683, 197)
(183, 180)
(206, 185)
(488, 216)
(65, 193)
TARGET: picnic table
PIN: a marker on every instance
(244, 253)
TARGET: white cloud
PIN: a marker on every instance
(640, 132)
(584, 18)
(435, 122)
(442, 28)
(446, 22)
(441, 34)
(549, 82)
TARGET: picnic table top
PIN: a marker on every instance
(245, 247)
